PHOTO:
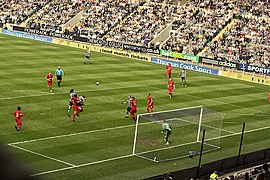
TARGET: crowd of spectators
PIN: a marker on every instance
(196, 31)
(197, 23)
(255, 8)
(145, 23)
(257, 173)
(58, 12)
(246, 41)
(103, 15)
(17, 11)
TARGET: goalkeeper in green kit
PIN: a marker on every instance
(167, 129)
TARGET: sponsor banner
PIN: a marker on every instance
(227, 64)
(209, 61)
(178, 55)
(124, 54)
(185, 66)
(48, 33)
(28, 36)
(119, 45)
(103, 50)
(253, 68)
(245, 77)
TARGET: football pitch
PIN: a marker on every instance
(99, 144)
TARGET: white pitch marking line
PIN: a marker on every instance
(75, 134)
(42, 155)
(47, 94)
(122, 157)
(82, 165)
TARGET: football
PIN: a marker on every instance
(97, 83)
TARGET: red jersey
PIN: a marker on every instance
(170, 85)
(150, 100)
(74, 101)
(49, 77)
(133, 104)
(18, 114)
(169, 68)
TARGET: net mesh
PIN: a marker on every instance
(187, 129)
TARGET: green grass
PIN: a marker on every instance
(24, 65)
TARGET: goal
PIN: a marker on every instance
(187, 130)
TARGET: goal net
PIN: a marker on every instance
(187, 129)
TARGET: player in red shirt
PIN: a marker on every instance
(169, 70)
(269, 96)
(75, 106)
(49, 78)
(133, 108)
(150, 103)
(18, 114)
(171, 87)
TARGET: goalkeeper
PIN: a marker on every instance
(167, 129)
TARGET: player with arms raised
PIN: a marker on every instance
(171, 87)
(150, 103)
(49, 78)
(133, 108)
(169, 70)
(18, 114)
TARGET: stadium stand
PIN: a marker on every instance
(103, 16)
(144, 24)
(245, 41)
(17, 11)
(191, 37)
(261, 172)
(54, 15)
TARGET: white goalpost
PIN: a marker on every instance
(187, 127)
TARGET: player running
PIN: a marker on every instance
(49, 78)
(80, 104)
(59, 75)
(128, 102)
(167, 129)
(150, 103)
(169, 70)
(171, 87)
(87, 56)
(183, 74)
(133, 108)
(18, 114)
(71, 94)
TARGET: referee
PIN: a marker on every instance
(59, 75)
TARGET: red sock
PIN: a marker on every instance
(133, 115)
(19, 126)
(73, 117)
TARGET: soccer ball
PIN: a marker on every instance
(97, 83)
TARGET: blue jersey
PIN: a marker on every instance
(59, 72)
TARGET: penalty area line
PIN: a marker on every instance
(75, 134)
(82, 165)
(42, 155)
